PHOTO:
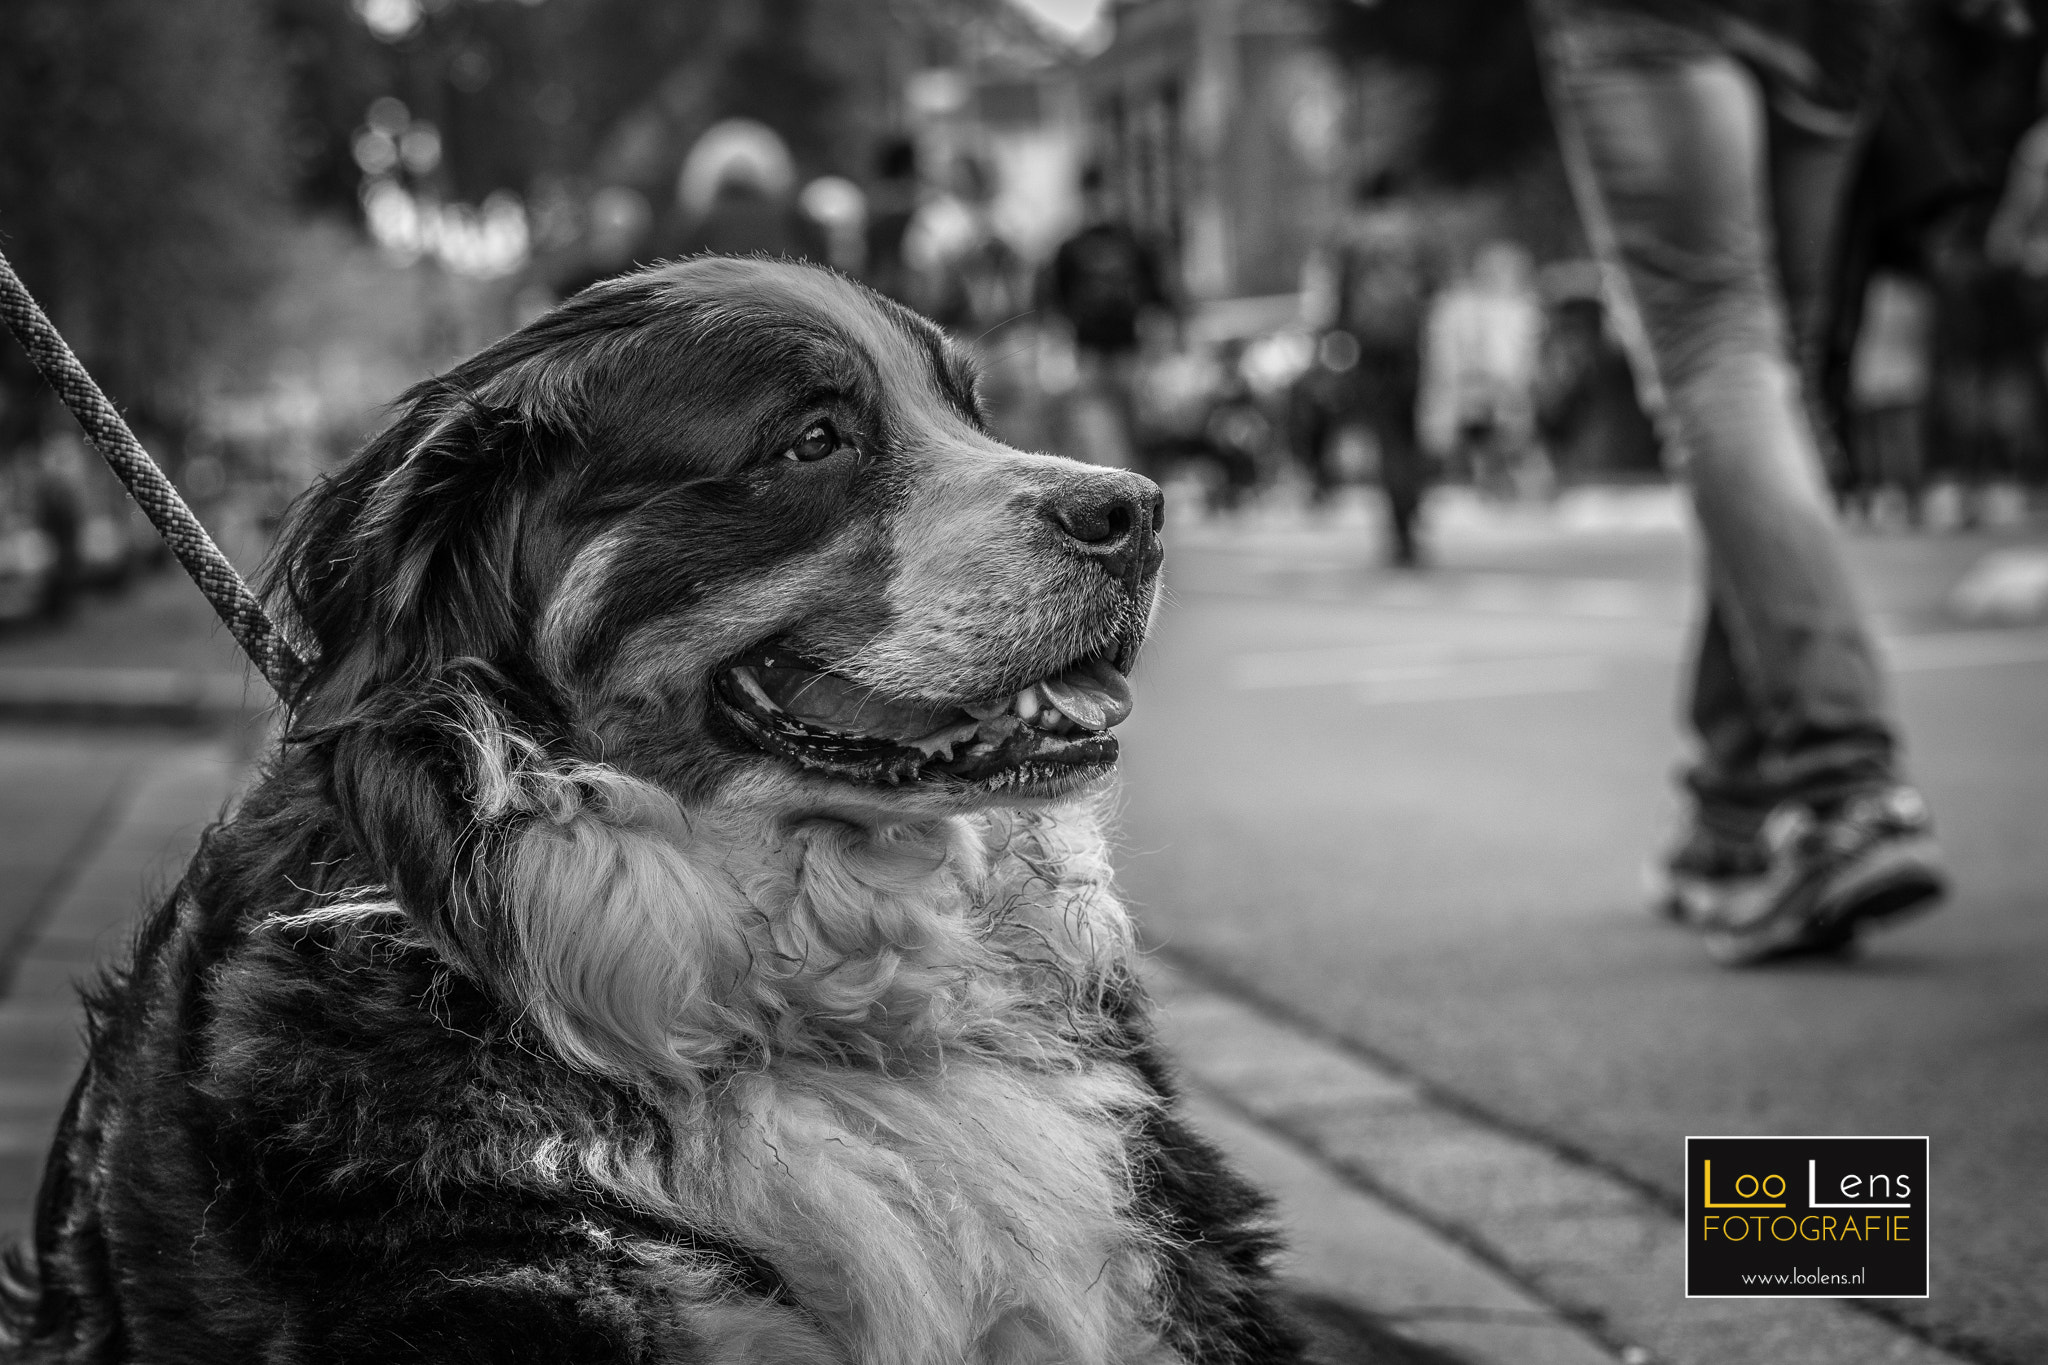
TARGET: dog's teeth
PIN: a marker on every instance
(1026, 705)
(745, 678)
(939, 743)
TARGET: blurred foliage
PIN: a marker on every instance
(140, 172)
(553, 99)
(516, 90)
(152, 144)
(1488, 115)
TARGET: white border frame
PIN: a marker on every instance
(1685, 1220)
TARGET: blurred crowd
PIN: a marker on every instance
(262, 218)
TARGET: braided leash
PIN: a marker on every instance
(230, 597)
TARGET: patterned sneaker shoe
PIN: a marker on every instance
(1705, 866)
(1831, 875)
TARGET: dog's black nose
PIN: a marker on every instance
(1113, 520)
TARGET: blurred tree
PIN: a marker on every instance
(513, 90)
(1488, 115)
(139, 174)
(559, 100)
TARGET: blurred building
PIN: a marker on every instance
(1231, 133)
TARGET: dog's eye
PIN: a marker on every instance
(820, 440)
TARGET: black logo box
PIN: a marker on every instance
(1737, 1245)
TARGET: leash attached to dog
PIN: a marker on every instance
(225, 589)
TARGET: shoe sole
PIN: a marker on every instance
(1679, 898)
(1894, 883)
(1900, 882)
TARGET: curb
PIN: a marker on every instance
(1593, 1252)
(140, 696)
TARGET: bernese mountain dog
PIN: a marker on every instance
(675, 924)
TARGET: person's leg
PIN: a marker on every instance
(1671, 154)
(1099, 410)
(1665, 137)
(1812, 163)
(1321, 451)
(1402, 477)
(1389, 414)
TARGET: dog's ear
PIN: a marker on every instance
(401, 571)
(570, 889)
(406, 557)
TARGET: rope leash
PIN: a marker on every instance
(225, 590)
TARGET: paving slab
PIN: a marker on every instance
(173, 795)
(1347, 1246)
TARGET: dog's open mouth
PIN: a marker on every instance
(1051, 732)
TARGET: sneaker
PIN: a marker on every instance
(1704, 868)
(1831, 875)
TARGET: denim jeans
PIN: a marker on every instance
(1712, 206)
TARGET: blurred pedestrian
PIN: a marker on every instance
(1367, 288)
(893, 201)
(1891, 374)
(1479, 352)
(970, 278)
(1709, 147)
(737, 195)
(1587, 413)
(1108, 283)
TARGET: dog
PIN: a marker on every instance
(675, 924)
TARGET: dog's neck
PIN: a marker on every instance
(658, 938)
(927, 1127)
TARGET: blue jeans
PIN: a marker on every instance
(1712, 203)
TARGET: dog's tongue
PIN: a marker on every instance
(837, 703)
(1093, 695)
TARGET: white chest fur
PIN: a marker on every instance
(977, 1213)
(921, 1144)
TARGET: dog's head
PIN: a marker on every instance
(725, 540)
(738, 527)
